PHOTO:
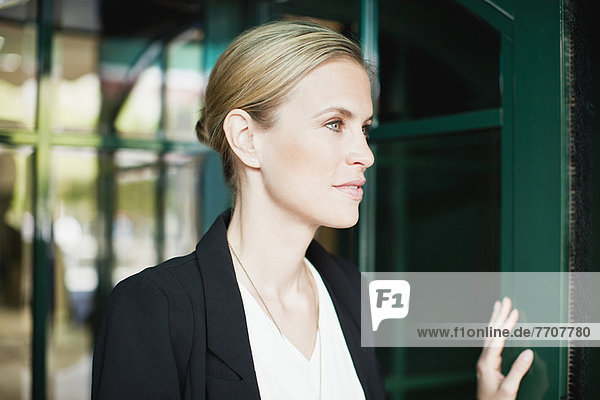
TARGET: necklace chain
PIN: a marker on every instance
(273, 318)
(255, 288)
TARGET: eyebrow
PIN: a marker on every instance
(341, 110)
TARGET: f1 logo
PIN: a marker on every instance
(388, 299)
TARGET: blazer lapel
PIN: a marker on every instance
(226, 329)
(227, 332)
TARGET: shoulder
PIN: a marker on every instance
(172, 286)
(167, 277)
(143, 347)
(159, 302)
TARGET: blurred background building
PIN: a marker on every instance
(483, 144)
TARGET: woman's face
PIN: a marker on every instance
(314, 158)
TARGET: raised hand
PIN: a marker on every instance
(491, 384)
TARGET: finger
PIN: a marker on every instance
(496, 344)
(494, 312)
(502, 313)
(510, 385)
(511, 321)
(489, 367)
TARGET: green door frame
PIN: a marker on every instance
(534, 154)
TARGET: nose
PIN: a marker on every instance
(360, 153)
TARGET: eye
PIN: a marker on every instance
(365, 130)
(335, 126)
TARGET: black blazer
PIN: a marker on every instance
(178, 330)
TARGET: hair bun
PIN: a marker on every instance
(201, 131)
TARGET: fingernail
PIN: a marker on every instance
(528, 355)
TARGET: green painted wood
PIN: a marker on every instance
(506, 5)
(106, 204)
(473, 120)
(18, 137)
(116, 142)
(541, 145)
(540, 165)
(366, 225)
(224, 20)
(42, 263)
(507, 172)
(160, 207)
(215, 193)
(398, 384)
(499, 14)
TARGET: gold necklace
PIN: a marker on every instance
(315, 297)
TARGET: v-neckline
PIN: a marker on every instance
(275, 329)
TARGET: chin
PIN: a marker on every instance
(341, 220)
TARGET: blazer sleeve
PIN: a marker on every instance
(134, 356)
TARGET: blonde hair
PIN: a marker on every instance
(258, 69)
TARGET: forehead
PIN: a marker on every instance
(338, 83)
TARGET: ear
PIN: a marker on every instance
(238, 127)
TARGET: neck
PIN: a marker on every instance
(271, 245)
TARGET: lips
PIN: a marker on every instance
(352, 189)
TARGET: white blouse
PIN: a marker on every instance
(283, 372)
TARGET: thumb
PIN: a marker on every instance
(511, 383)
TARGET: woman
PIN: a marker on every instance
(261, 310)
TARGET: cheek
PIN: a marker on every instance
(299, 163)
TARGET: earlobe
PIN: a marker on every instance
(240, 136)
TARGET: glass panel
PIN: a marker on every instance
(442, 195)
(183, 207)
(78, 15)
(435, 58)
(134, 60)
(76, 88)
(134, 224)
(141, 110)
(185, 82)
(16, 233)
(74, 173)
(438, 209)
(83, 198)
(117, 70)
(18, 10)
(18, 85)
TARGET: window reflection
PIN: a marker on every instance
(446, 209)
(182, 217)
(140, 110)
(142, 181)
(134, 223)
(74, 174)
(77, 14)
(16, 223)
(76, 89)
(17, 75)
(134, 60)
(185, 83)
(435, 58)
